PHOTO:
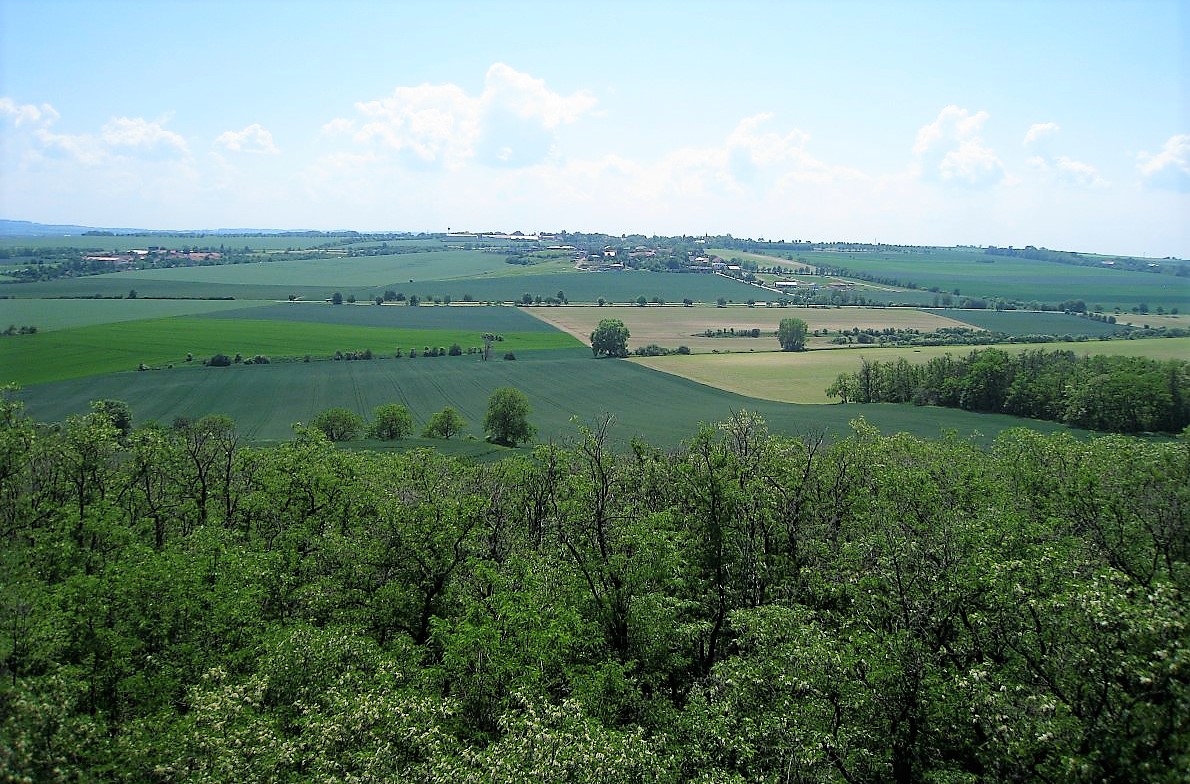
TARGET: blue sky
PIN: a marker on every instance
(1056, 124)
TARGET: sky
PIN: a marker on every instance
(1056, 124)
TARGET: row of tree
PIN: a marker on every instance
(746, 607)
(1108, 393)
(506, 421)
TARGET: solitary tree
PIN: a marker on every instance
(610, 338)
(444, 424)
(391, 422)
(507, 419)
(792, 334)
(339, 424)
(337, 298)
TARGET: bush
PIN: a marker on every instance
(391, 422)
(219, 360)
(339, 424)
(510, 356)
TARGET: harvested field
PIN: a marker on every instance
(673, 326)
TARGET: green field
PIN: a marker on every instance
(117, 286)
(802, 377)
(342, 273)
(53, 314)
(473, 318)
(111, 348)
(1028, 322)
(483, 276)
(661, 408)
(977, 274)
(620, 287)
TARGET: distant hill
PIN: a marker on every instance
(15, 228)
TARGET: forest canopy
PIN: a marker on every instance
(1116, 394)
(745, 607)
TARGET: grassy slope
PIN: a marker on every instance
(644, 402)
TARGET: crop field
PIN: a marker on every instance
(111, 348)
(562, 387)
(803, 377)
(681, 326)
(53, 314)
(1155, 320)
(621, 287)
(976, 274)
(342, 272)
(117, 286)
(1027, 322)
(474, 318)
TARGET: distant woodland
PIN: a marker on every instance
(1108, 393)
(747, 607)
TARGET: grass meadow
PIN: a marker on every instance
(803, 377)
(562, 387)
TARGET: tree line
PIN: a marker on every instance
(745, 607)
(1109, 393)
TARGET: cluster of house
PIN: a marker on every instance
(516, 236)
(130, 257)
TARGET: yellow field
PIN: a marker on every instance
(803, 377)
(1154, 321)
(673, 326)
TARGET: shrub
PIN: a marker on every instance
(339, 424)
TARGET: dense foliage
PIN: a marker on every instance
(610, 338)
(177, 607)
(1110, 393)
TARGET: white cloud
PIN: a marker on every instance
(951, 150)
(529, 98)
(511, 123)
(139, 134)
(1170, 168)
(27, 113)
(1083, 175)
(1039, 132)
(253, 139)
(1067, 171)
(1059, 169)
